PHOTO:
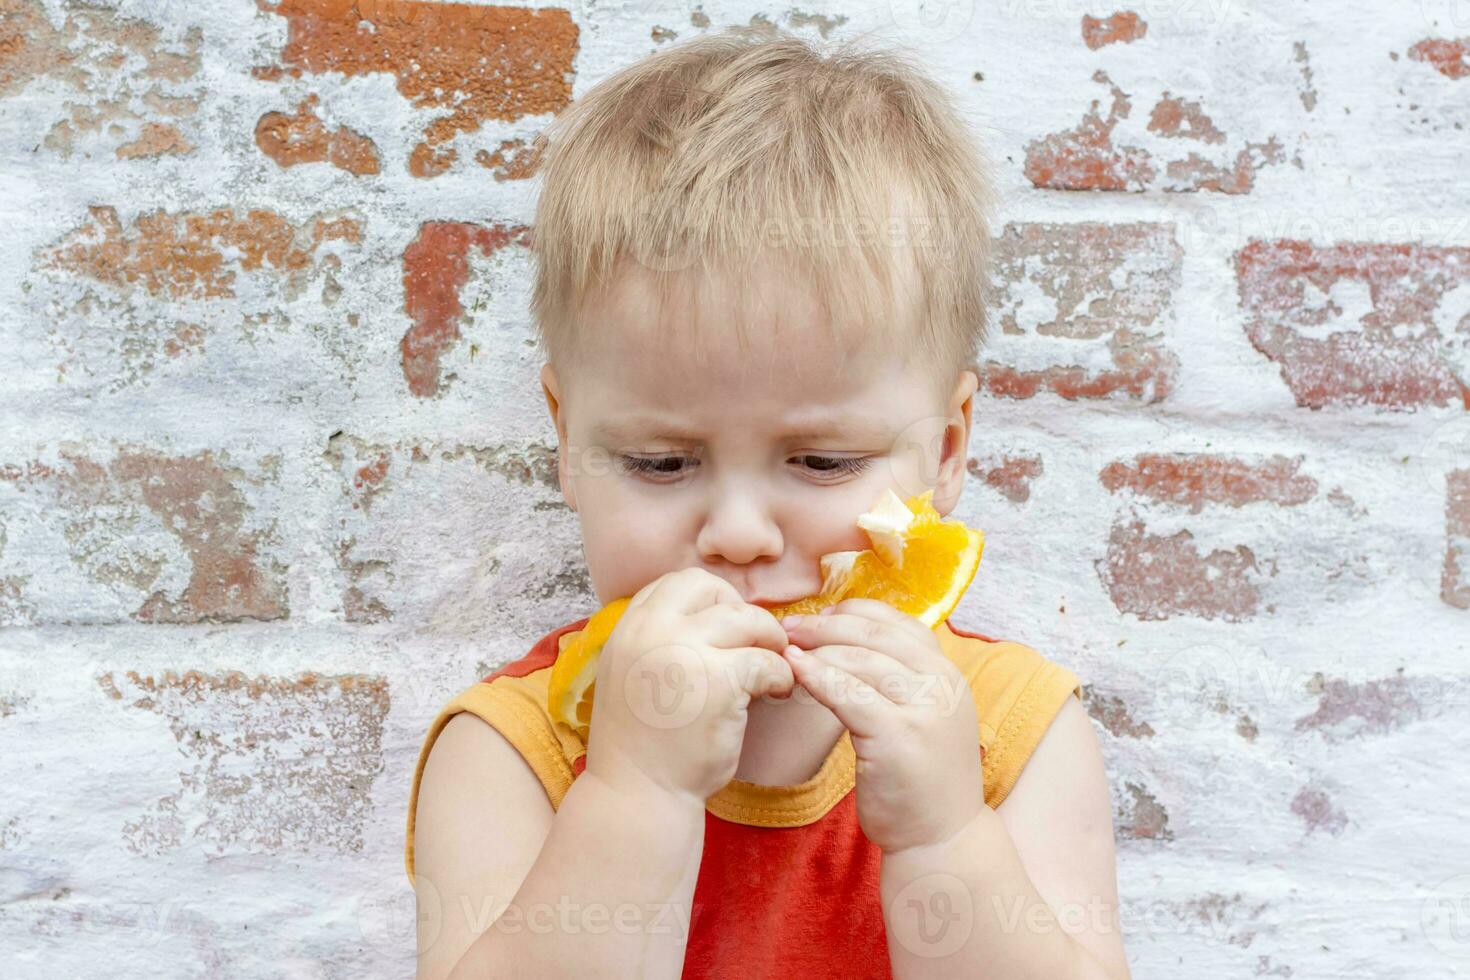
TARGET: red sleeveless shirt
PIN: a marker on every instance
(788, 882)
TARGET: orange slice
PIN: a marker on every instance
(918, 563)
(574, 675)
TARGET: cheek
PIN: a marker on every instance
(627, 544)
(830, 524)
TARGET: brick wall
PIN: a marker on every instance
(276, 476)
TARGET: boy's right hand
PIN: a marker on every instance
(674, 680)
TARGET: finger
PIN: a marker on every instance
(860, 708)
(726, 626)
(858, 630)
(641, 596)
(879, 671)
(884, 613)
(691, 589)
(760, 672)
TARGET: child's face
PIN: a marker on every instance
(729, 481)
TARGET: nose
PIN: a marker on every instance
(738, 528)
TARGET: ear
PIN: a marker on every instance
(551, 388)
(955, 454)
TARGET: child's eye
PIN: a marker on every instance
(837, 464)
(653, 465)
(673, 465)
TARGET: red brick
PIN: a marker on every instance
(201, 501)
(1109, 290)
(1183, 119)
(303, 138)
(1193, 480)
(1349, 709)
(156, 140)
(1011, 475)
(1157, 576)
(435, 268)
(478, 63)
(1450, 57)
(1394, 354)
(512, 160)
(1092, 157)
(1142, 817)
(1237, 176)
(269, 764)
(182, 255)
(184, 295)
(1084, 158)
(1318, 811)
(128, 88)
(1123, 27)
(1455, 582)
(1112, 713)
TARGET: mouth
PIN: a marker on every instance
(772, 603)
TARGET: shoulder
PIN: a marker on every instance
(512, 701)
(474, 779)
(1017, 692)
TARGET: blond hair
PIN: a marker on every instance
(853, 172)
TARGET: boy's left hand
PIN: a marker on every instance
(911, 714)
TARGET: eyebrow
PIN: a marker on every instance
(634, 428)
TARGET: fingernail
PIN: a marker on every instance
(790, 621)
(826, 610)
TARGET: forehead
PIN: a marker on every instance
(762, 353)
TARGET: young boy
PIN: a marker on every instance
(759, 288)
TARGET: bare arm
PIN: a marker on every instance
(1027, 890)
(506, 887)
